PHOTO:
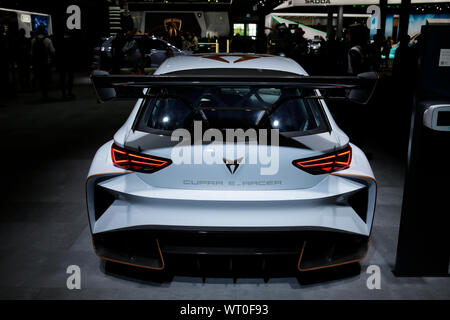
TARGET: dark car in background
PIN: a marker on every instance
(314, 45)
(151, 52)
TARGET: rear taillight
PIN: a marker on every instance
(134, 161)
(326, 163)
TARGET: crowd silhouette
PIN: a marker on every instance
(29, 62)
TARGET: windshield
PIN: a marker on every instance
(286, 109)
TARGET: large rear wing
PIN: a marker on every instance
(358, 89)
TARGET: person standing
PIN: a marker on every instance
(194, 43)
(117, 53)
(357, 54)
(386, 52)
(23, 60)
(333, 53)
(4, 62)
(300, 46)
(131, 52)
(42, 54)
(374, 53)
(66, 63)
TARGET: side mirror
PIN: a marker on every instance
(363, 94)
(103, 94)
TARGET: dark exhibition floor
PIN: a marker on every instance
(47, 150)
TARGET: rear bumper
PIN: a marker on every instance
(320, 227)
(150, 248)
(343, 204)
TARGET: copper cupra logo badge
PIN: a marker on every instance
(232, 165)
(242, 58)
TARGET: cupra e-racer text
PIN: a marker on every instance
(313, 199)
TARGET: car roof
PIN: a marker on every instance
(234, 61)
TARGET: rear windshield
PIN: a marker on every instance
(285, 109)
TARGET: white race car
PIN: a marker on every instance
(308, 193)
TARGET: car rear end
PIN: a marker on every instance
(317, 206)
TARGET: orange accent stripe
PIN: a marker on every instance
(331, 265)
(318, 159)
(148, 163)
(92, 239)
(119, 161)
(120, 151)
(163, 265)
(323, 158)
(245, 58)
(217, 58)
(113, 156)
(316, 164)
(341, 154)
(146, 158)
(352, 261)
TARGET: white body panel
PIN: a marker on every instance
(207, 197)
(141, 204)
(229, 61)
